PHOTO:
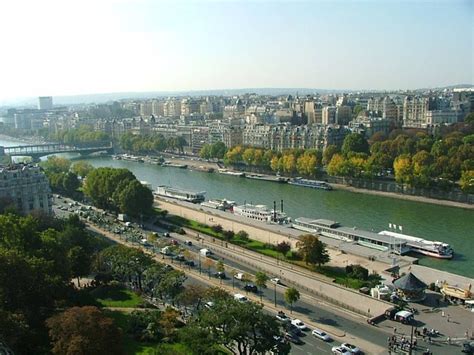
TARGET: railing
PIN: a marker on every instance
(54, 148)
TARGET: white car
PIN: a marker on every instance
(282, 317)
(239, 276)
(241, 298)
(298, 323)
(209, 304)
(321, 335)
(276, 281)
(352, 349)
(339, 350)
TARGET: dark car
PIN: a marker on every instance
(190, 263)
(292, 329)
(293, 338)
(179, 257)
(220, 275)
(250, 288)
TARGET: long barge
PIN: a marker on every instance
(385, 240)
(179, 194)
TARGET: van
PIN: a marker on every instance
(205, 252)
(241, 298)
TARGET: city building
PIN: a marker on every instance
(45, 103)
(26, 186)
(328, 115)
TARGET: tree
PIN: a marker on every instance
(312, 250)
(283, 247)
(261, 279)
(133, 198)
(240, 326)
(80, 261)
(328, 153)
(218, 150)
(56, 165)
(82, 168)
(220, 266)
(168, 323)
(355, 142)
(242, 235)
(84, 330)
(208, 263)
(70, 184)
(205, 151)
(403, 169)
(292, 295)
(228, 235)
(467, 181)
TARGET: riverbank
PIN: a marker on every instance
(196, 164)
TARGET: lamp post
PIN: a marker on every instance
(275, 294)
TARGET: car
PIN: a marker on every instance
(351, 348)
(321, 335)
(293, 338)
(190, 263)
(339, 350)
(220, 275)
(167, 235)
(251, 288)
(282, 317)
(300, 324)
(179, 257)
(293, 329)
(239, 276)
(276, 281)
(241, 298)
(188, 242)
(174, 242)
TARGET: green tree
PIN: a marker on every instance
(312, 250)
(84, 330)
(355, 142)
(55, 165)
(70, 184)
(292, 295)
(134, 199)
(261, 280)
(205, 151)
(82, 168)
(328, 153)
(283, 247)
(218, 150)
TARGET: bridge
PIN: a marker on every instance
(39, 150)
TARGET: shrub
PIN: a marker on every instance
(283, 247)
(217, 228)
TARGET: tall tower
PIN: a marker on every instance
(45, 103)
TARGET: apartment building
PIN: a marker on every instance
(26, 186)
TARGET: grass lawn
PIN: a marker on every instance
(116, 296)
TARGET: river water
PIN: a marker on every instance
(449, 224)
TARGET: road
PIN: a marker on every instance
(343, 326)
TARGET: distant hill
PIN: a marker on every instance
(107, 97)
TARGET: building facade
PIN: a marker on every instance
(27, 187)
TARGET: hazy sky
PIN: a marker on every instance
(92, 46)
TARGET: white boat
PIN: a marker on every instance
(230, 172)
(426, 247)
(261, 213)
(190, 196)
(314, 184)
(385, 240)
(222, 205)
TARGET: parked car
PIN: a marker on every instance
(339, 350)
(239, 276)
(179, 257)
(282, 317)
(300, 324)
(251, 288)
(188, 242)
(220, 275)
(352, 349)
(321, 335)
(293, 338)
(276, 281)
(190, 263)
(241, 298)
(404, 317)
(293, 329)
(209, 304)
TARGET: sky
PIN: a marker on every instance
(68, 47)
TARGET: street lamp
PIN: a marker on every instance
(275, 294)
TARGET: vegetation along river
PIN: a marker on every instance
(449, 224)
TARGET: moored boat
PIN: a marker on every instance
(185, 195)
(314, 184)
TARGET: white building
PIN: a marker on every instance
(27, 187)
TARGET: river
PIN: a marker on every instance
(449, 224)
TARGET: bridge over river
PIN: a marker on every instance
(39, 150)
